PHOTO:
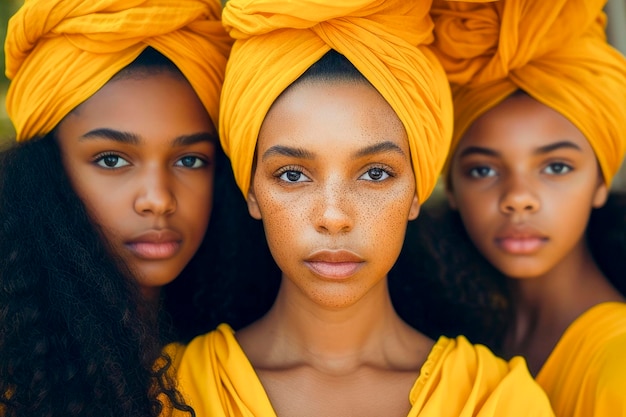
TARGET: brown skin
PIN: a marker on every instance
(151, 195)
(525, 180)
(335, 189)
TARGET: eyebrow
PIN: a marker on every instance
(564, 144)
(382, 147)
(287, 151)
(478, 150)
(558, 145)
(300, 153)
(133, 139)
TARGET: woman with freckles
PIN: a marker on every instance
(335, 141)
(540, 105)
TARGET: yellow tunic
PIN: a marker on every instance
(458, 379)
(585, 375)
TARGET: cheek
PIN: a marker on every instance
(385, 216)
(194, 203)
(104, 205)
(477, 212)
(284, 216)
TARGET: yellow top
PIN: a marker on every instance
(585, 375)
(60, 52)
(458, 379)
(556, 51)
(278, 40)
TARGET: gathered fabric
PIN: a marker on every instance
(60, 52)
(555, 51)
(458, 379)
(585, 374)
(386, 40)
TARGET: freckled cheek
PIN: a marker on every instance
(386, 218)
(284, 216)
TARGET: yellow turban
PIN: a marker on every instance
(556, 51)
(277, 41)
(60, 52)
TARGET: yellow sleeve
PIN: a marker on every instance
(604, 391)
(464, 380)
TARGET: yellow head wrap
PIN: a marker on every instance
(60, 52)
(277, 41)
(556, 51)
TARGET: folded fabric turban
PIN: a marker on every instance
(556, 51)
(60, 52)
(277, 41)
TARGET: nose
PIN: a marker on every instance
(334, 214)
(155, 195)
(519, 197)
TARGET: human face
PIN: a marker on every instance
(334, 187)
(524, 180)
(139, 153)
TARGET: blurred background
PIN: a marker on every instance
(616, 32)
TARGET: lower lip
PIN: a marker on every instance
(524, 246)
(334, 270)
(154, 251)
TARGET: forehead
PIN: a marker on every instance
(522, 124)
(153, 101)
(313, 111)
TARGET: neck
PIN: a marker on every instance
(150, 298)
(546, 305)
(332, 338)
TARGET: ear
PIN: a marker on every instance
(415, 208)
(601, 194)
(253, 205)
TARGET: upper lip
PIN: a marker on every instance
(520, 232)
(334, 256)
(156, 236)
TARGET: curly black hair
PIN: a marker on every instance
(74, 337)
(442, 285)
(73, 340)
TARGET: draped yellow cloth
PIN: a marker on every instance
(585, 375)
(60, 52)
(458, 379)
(554, 50)
(276, 41)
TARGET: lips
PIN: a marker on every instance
(334, 265)
(521, 241)
(155, 244)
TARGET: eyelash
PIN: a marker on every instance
(473, 171)
(287, 169)
(101, 157)
(568, 168)
(299, 170)
(385, 169)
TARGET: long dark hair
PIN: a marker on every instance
(74, 340)
(442, 284)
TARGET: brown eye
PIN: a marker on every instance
(482, 172)
(111, 161)
(375, 174)
(293, 176)
(191, 162)
(558, 168)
